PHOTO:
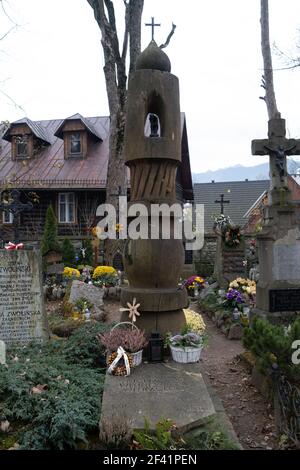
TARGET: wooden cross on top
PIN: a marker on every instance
(278, 147)
(222, 202)
(152, 24)
(15, 207)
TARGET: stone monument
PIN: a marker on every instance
(278, 289)
(153, 266)
(228, 260)
(22, 313)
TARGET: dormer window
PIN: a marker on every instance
(21, 143)
(27, 138)
(76, 144)
(78, 133)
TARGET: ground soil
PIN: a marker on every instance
(250, 414)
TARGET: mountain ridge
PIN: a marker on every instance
(240, 173)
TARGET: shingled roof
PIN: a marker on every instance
(241, 194)
(86, 122)
(36, 128)
(49, 169)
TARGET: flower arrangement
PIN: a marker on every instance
(194, 322)
(70, 272)
(105, 276)
(233, 299)
(103, 270)
(187, 340)
(132, 340)
(221, 221)
(193, 281)
(187, 346)
(232, 235)
(245, 286)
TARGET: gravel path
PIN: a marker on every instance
(249, 413)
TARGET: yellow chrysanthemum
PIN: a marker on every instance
(194, 321)
(104, 270)
(71, 272)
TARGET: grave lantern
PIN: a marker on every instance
(156, 348)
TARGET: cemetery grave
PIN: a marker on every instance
(95, 358)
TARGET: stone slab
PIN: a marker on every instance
(93, 294)
(22, 312)
(166, 390)
(286, 262)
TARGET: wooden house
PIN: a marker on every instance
(64, 162)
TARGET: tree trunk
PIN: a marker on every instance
(268, 83)
(116, 86)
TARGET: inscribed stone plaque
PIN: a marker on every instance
(284, 300)
(286, 262)
(152, 391)
(22, 313)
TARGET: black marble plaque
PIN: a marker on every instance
(284, 300)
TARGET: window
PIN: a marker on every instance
(75, 144)
(22, 146)
(7, 218)
(66, 208)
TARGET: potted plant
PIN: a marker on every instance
(187, 346)
(132, 340)
(193, 284)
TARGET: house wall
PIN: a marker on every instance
(32, 222)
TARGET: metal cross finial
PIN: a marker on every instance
(152, 24)
(222, 202)
(15, 207)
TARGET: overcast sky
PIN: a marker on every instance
(52, 66)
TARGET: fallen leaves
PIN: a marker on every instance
(38, 389)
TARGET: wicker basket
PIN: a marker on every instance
(137, 356)
(185, 355)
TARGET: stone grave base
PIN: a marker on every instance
(154, 391)
(163, 322)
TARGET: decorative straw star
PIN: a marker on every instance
(132, 309)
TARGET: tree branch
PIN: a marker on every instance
(268, 83)
(136, 10)
(8, 32)
(162, 46)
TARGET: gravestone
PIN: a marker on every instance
(278, 288)
(228, 262)
(22, 312)
(154, 391)
(93, 294)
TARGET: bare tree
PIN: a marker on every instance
(116, 81)
(267, 78)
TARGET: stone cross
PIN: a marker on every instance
(277, 146)
(152, 24)
(222, 202)
(16, 207)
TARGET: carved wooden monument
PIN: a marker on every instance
(278, 292)
(153, 266)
